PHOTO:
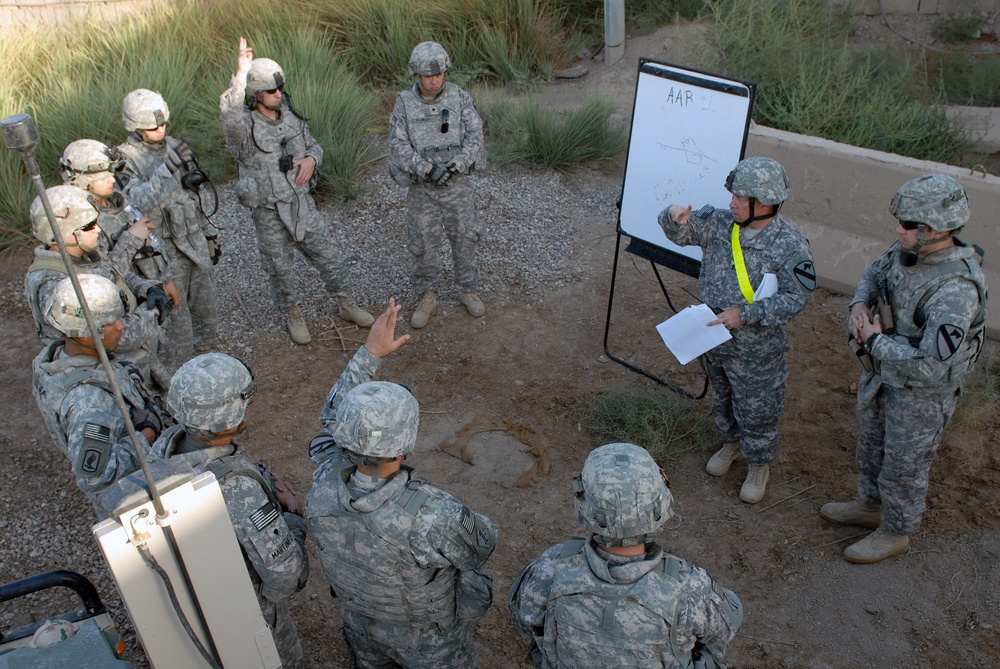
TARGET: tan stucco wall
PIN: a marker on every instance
(840, 201)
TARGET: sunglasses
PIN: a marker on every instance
(90, 226)
(274, 90)
(909, 225)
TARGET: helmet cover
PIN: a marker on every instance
(763, 179)
(378, 419)
(144, 109)
(428, 59)
(73, 208)
(106, 301)
(264, 75)
(211, 393)
(935, 200)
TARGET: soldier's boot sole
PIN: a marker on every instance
(854, 512)
(877, 546)
(428, 305)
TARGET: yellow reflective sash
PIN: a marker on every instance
(741, 267)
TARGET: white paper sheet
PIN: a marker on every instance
(688, 335)
(768, 287)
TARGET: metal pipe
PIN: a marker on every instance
(614, 31)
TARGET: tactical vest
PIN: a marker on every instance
(374, 573)
(592, 622)
(425, 120)
(54, 263)
(910, 287)
(53, 382)
(262, 182)
(178, 215)
(114, 219)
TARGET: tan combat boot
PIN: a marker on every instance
(755, 483)
(350, 311)
(428, 303)
(854, 512)
(877, 546)
(473, 304)
(719, 463)
(297, 326)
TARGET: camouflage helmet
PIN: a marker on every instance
(935, 200)
(264, 75)
(378, 419)
(763, 179)
(428, 59)
(73, 208)
(621, 495)
(144, 109)
(86, 160)
(62, 307)
(210, 393)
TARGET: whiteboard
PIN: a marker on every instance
(689, 130)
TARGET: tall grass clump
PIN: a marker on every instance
(662, 422)
(555, 139)
(587, 16)
(809, 82)
(968, 80)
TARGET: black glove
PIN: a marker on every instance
(147, 416)
(214, 249)
(178, 156)
(439, 176)
(193, 180)
(156, 298)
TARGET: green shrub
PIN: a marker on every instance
(662, 422)
(587, 16)
(958, 29)
(968, 80)
(556, 139)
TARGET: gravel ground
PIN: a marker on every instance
(528, 217)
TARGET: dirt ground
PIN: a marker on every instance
(539, 360)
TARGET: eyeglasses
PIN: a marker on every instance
(274, 90)
(90, 226)
(909, 225)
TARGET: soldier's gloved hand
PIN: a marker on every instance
(178, 156)
(214, 249)
(439, 176)
(193, 180)
(156, 298)
(147, 417)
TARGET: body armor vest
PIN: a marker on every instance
(262, 181)
(51, 261)
(425, 120)
(593, 621)
(178, 216)
(910, 287)
(61, 375)
(375, 574)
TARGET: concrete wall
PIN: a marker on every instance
(840, 201)
(930, 7)
(17, 13)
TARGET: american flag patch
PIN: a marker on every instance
(97, 432)
(468, 522)
(264, 516)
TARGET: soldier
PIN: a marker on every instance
(277, 158)
(77, 219)
(617, 598)
(746, 247)
(73, 392)
(435, 139)
(126, 237)
(935, 294)
(161, 179)
(403, 557)
(208, 398)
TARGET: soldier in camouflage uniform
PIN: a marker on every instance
(741, 245)
(74, 395)
(161, 179)
(126, 238)
(403, 557)
(208, 398)
(933, 283)
(616, 598)
(435, 140)
(78, 220)
(277, 158)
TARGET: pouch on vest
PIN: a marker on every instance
(474, 595)
(248, 192)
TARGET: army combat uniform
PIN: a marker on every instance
(284, 215)
(75, 399)
(441, 131)
(142, 327)
(273, 541)
(402, 556)
(905, 402)
(579, 606)
(748, 372)
(176, 214)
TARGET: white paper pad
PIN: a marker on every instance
(688, 335)
(768, 287)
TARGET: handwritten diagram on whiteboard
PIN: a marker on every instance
(689, 130)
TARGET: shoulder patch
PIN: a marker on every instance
(95, 450)
(949, 338)
(264, 516)
(704, 212)
(805, 272)
(467, 520)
